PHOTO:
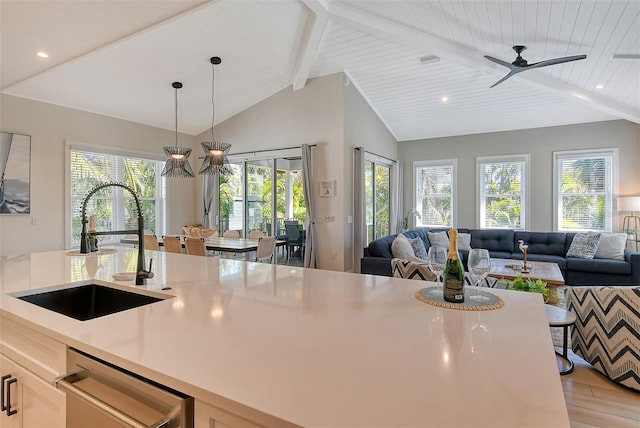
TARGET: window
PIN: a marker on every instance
(114, 208)
(502, 191)
(434, 197)
(377, 186)
(264, 190)
(583, 189)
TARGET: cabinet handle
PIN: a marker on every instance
(9, 411)
(3, 406)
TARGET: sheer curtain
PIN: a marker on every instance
(307, 177)
(397, 208)
(210, 189)
(359, 227)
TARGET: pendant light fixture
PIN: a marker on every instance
(215, 160)
(177, 164)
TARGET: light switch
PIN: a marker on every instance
(349, 219)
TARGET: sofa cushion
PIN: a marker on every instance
(584, 245)
(611, 246)
(599, 265)
(550, 243)
(401, 247)
(382, 247)
(500, 254)
(498, 240)
(418, 232)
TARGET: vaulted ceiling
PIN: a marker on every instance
(119, 58)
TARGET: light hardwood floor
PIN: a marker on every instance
(594, 401)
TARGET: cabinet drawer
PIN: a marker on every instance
(33, 350)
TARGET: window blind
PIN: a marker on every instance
(585, 191)
(502, 193)
(434, 195)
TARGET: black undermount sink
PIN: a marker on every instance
(89, 301)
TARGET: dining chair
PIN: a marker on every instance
(266, 248)
(257, 234)
(234, 234)
(195, 246)
(172, 244)
(294, 238)
(151, 242)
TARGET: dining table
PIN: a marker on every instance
(227, 246)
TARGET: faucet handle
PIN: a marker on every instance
(144, 274)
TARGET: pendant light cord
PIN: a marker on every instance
(176, 105)
(213, 104)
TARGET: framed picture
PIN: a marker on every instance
(15, 167)
(327, 188)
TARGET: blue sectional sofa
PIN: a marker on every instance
(503, 243)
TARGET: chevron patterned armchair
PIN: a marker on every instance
(607, 330)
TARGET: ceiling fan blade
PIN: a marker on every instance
(503, 79)
(556, 61)
(499, 61)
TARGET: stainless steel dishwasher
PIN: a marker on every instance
(101, 395)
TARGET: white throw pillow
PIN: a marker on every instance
(464, 242)
(611, 246)
(438, 239)
(401, 247)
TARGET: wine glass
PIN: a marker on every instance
(437, 257)
(479, 265)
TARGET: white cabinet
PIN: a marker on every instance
(28, 400)
(10, 396)
(30, 361)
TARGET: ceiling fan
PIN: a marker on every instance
(520, 64)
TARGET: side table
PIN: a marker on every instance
(558, 317)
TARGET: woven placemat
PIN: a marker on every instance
(433, 296)
(95, 253)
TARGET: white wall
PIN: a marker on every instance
(362, 128)
(49, 127)
(540, 143)
(312, 115)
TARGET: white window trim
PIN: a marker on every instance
(454, 185)
(77, 145)
(393, 182)
(505, 158)
(586, 153)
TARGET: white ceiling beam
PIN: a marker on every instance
(313, 37)
(472, 58)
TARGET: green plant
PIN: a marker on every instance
(537, 286)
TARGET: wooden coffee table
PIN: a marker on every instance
(546, 271)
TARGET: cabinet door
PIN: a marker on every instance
(7, 367)
(42, 405)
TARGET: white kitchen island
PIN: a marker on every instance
(280, 345)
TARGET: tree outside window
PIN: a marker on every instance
(502, 192)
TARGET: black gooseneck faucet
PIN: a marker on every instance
(141, 273)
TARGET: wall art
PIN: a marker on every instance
(15, 169)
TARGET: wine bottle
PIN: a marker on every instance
(453, 272)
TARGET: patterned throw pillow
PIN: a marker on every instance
(584, 245)
(418, 248)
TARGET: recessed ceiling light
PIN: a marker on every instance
(599, 86)
(625, 57)
(43, 55)
(428, 59)
(444, 99)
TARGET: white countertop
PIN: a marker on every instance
(312, 347)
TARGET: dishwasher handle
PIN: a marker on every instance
(61, 382)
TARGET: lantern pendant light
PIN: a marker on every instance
(177, 164)
(215, 160)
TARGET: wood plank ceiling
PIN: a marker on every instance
(119, 58)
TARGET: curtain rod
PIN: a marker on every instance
(375, 154)
(269, 150)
